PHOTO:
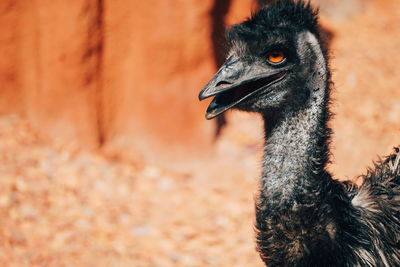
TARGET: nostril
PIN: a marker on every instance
(223, 84)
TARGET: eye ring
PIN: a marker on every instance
(276, 57)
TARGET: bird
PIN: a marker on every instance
(278, 66)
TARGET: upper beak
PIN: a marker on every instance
(234, 82)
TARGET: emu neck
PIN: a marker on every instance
(296, 154)
(296, 148)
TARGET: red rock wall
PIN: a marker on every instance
(157, 55)
(53, 59)
(9, 85)
(122, 74)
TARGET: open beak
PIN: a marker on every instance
(234, 82)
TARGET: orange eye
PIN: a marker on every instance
(276, 57)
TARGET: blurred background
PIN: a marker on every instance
(105, 156)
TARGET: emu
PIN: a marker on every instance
(277, 65)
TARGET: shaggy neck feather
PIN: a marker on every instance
(297, 142)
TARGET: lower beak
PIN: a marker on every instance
(233, 83)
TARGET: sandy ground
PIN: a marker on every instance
(62, 206)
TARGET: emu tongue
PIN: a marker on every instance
(234, 95)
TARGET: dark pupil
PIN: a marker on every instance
(276, 54)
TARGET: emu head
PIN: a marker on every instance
(275, 60)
